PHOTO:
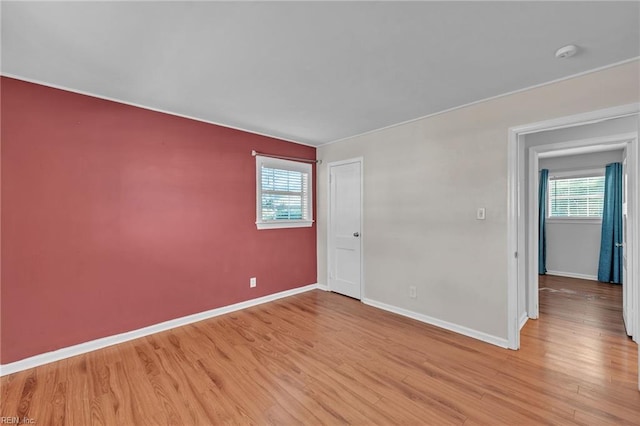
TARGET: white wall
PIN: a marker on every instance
(423, 181)
(573, 247)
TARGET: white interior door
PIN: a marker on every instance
(345, 220)
(627, 288)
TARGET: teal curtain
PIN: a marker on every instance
(542, 216)
(610, 265)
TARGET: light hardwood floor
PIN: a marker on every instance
(321, 358)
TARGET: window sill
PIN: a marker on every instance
(574, 220)
(284, 224)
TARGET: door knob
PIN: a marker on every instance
(356, 234)
(617, 244)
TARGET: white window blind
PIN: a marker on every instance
(284, 193)
(576, 197)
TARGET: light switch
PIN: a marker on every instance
(480, 214)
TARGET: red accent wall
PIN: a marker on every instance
(116, 217)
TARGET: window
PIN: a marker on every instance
(283, 193)
(576, 195)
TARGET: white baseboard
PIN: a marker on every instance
(323, 287)
(103, 342)
(573, 275)
(523, 319)
(494, 340)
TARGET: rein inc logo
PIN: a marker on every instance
(17, 420)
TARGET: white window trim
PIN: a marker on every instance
(582, 220)
(573, 174)
(286, 165)
(284, 224)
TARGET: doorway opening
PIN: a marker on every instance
(579, 163)
(523, 206)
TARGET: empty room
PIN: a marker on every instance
(419, 213)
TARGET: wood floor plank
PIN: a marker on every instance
(321, 358)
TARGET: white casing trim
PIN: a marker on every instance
(573, 275)
(494, 340)
(285, 224)
(523, 319)
(103, 342)
(573, 221)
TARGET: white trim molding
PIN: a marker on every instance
(284, 224)
(523, 319)
(572, 275)
(103, 342)
(469, 332)
(574, 220)
(323, 287)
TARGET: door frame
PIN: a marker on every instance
(621, 141)
(362, 234)
(517, 252)
(631, 323)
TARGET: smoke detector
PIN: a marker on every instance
(566, 51)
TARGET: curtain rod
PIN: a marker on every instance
(304, 160)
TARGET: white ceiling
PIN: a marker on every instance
(311, 72)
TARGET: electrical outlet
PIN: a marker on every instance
(252, 282)
(413, 292)
(481, 213)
